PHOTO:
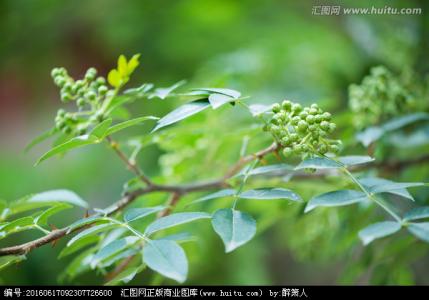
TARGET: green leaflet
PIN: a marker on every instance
(379, 185)
(371, 134)
(335, 198)
(227, 92)
(40, 138)
(125, 276)
(270, 194)
(271, 170)
(319, 163)
(113, 248)
(378, 230)
(217, 100)
(234, 227)
(42, 219)
(121, 126)
(92, 230)
(417, 213)
(216, 195)
(8, 260)
(163, 93)
(80, 244)
(182, 112)
(174, 220)
(420, 230)
(352, 160)
(75, 142)
(138, 213)
(167, 258)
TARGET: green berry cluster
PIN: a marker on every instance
(383, 95)
(87, 92)
(302, 130)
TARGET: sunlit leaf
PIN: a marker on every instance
(114, 78)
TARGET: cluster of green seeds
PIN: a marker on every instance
(88, 93)
(302, 130)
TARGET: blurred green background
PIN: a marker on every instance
(268, 50)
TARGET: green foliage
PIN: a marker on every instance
(383, 95)
(148, 234)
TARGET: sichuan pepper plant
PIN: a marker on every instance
(120, 242)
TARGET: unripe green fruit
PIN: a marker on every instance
(66, 97)
(296, 107)
(312, 128)
(318, 118)
(61, 112)
(60, 81)
(310, 119)
(66, 130)
(332, 127)
(302, 125)
(67, 87)
(295, 120)
(102, 90)
(313, 111)
(80, 102)
(323, 149)
(294, 137)
(60, 125)
(286, 141)
(90, 74)
(334, 148)
(101, 80)
(287, 151)
(286, 104)
(326, 116)
(303, 115)
(324, 125)
(276, 108)
(314, 106)
(91, 96)
(54, 72)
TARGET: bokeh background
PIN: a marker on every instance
(266, 49)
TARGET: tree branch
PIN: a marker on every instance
(177, 190)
